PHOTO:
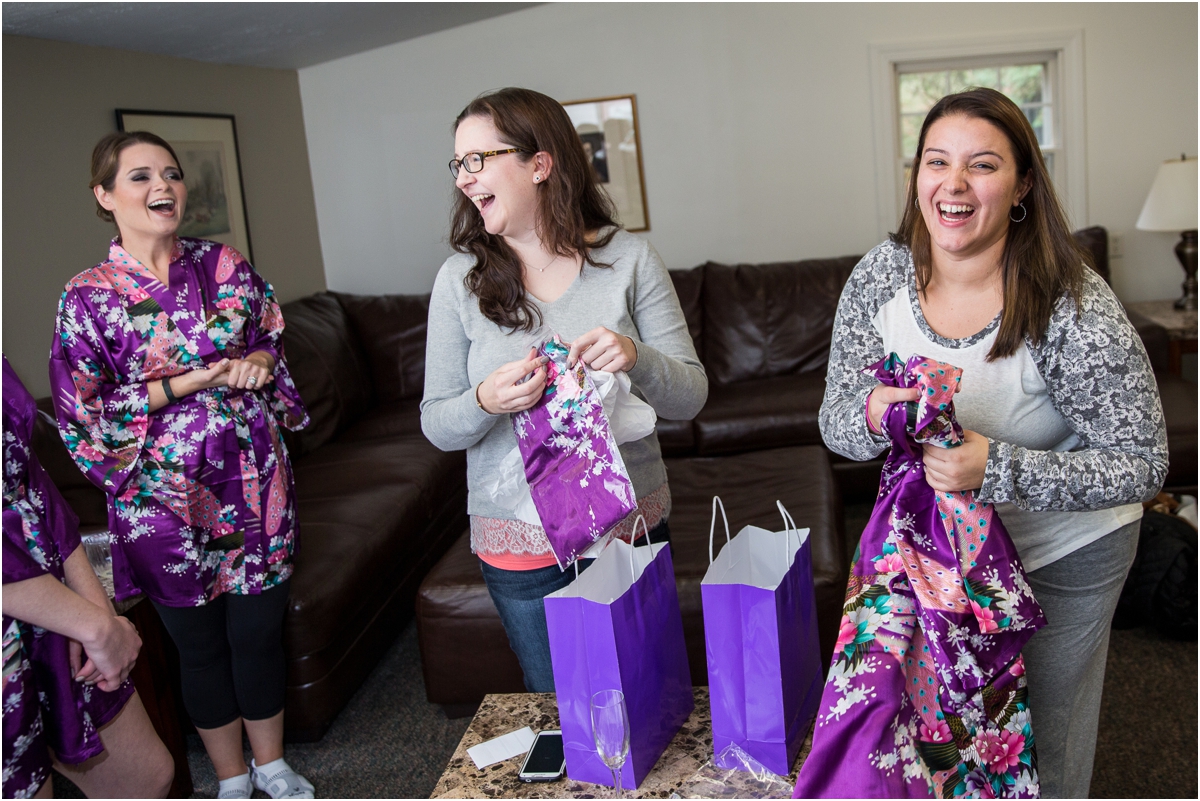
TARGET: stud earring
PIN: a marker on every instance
(537, 178)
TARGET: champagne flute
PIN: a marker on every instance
(610, 728)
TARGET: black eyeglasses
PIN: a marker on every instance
(473, 162)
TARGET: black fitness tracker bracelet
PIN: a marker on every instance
(166, 385)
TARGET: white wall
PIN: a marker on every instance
(756, 123)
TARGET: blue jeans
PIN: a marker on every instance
(518, 596)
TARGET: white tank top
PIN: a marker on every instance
(1006, 400)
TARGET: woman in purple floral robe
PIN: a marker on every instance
(67, 699)
(170, 388)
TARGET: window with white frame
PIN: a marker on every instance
(1042, 72)
(1028, 81)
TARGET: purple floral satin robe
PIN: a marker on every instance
(927, 692)
(200, 492)
(43, 706)
(578, 481)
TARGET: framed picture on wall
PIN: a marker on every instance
(207, 147)
(608, 127)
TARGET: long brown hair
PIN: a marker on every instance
(1041, 261)
(570, 203)
(106, 157)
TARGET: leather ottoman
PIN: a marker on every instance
(464, 650)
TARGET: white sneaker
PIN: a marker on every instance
(236, 787)
(278, 780)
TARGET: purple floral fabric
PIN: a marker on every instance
(200, 492)
(578, 481)
(43, 706)
(926, 695)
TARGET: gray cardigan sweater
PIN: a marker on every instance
(634, 297)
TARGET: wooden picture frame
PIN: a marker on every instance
(207, 147)
(609, 129)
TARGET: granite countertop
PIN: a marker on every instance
(500, 714)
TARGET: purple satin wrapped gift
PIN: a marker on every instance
(578, 482)
(927, 693)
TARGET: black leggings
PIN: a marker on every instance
(230, 656)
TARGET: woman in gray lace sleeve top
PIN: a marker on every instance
(1065, 431)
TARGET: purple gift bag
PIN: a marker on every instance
(760, 636)
(618, 627)
(576, 476)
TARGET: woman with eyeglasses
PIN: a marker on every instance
(171, 390)
(1064, 435)
(538, 245)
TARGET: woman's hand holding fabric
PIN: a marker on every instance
(601, 349)
(957, 469)
(507, 390)
(111, 654)
(884, 396)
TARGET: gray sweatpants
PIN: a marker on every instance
(1065, 660)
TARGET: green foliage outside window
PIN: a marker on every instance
(1024, 84)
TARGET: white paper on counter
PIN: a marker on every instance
(498, 749)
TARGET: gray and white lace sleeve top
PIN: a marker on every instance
(1076, 438)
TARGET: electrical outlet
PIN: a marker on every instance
(1116, 245)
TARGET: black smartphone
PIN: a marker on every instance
(545, 761)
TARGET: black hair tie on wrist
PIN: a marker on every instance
(166, 385)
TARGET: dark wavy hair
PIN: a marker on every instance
(1041, 261)
(570, 203)
(106, 157)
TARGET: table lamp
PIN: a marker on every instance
(1171, 206)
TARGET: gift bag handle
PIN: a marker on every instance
(633, 537)
(713, 525)
(788, 522)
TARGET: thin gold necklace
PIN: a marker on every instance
(553, 259)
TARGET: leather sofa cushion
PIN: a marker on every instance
(767, 320)
(676, 437)
(391, 329)
(359, 506)
(1179, 408)
(351, 469)
(459, 631)
(763, 413)
(328, 367)
(689, 287)
(1094, 242)
(86, 499)
(389, 420)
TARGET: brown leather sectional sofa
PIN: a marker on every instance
(379, 505)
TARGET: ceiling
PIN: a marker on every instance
(281, 35)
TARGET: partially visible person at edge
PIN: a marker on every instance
(538, 244)
(68, 702)
(1064, 428)
(170, 388)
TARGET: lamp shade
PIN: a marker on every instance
(1171, 204)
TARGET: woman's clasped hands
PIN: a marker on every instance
(106, 658)
(517, 386)
(946, 469)
(253, 372)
